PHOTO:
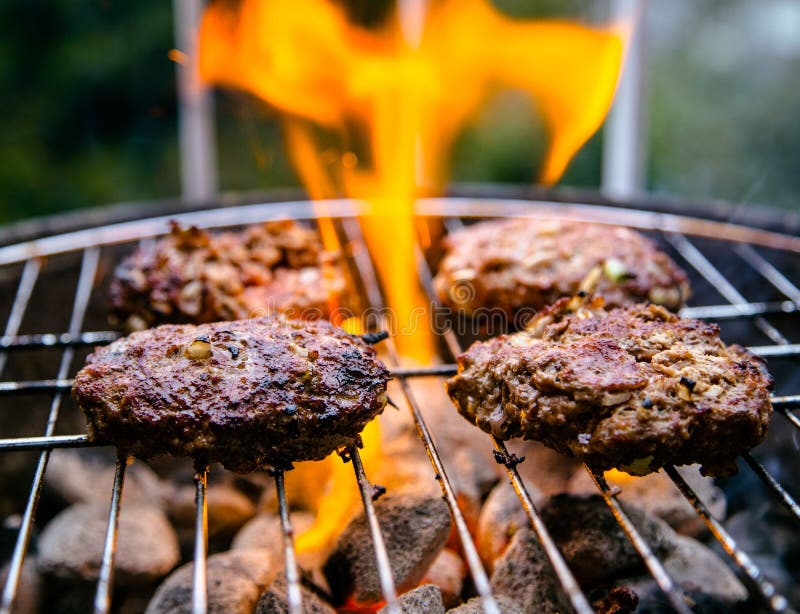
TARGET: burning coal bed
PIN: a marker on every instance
(153, 568)
(245, 569)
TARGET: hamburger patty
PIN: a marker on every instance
(261, 392)
(192, 276)
(634, 388)
(526, 262)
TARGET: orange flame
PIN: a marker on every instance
(371, 116)
(368, 114)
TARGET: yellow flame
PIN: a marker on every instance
(393, 110)
(618, 478)
(368, 115)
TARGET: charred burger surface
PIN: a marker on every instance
(248, 394)
(634, 388)
(531, 263)
(193, 276)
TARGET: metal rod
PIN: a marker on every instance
(47, 443)
(755, 578)
(50, 385)
(41, 385)
(30, 273)
(425, 207)
(792, 418)
(12, 341)
(370, 283)
(431, 371)
(294, 597)
(445, 370)
(384, 566)
(785, 498)
(102, 598)
(776, 351)
(199, 572)
(712, 275)
(785, 402)
(740, 310)
(768, 271)
(83, 292)
(195, 110)
(657, 570)
(624, 137)
(568, 581)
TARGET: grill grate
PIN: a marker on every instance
(674, 230)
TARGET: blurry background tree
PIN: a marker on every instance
(87, 108)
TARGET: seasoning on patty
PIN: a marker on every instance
(248, 394)
(192, 276)
(634, 388)
(527, 262)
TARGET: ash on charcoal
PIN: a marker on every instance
(71, 545)
(235, 582)
(447, 572)
(657, 494)
(502, 514)
(273, 600)
(415, 530)
(699, 572)
(475, 606)
(425, 599)
(81, 476)
(524, 574)
(264, 532)
(228, 510)
(592, 542)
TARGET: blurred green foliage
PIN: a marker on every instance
(88, 110)
(87, 104)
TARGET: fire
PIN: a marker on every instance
(370, 114)
(373, 114)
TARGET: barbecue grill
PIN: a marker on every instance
(700, 244)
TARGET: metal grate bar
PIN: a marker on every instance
(83, 292)
(768, 271)
(383, 565)
(785, 498)
(753, 574)
(46, 443)
(30, 273)
(792, 418)
(369, 279)
(12, 341)
(102, 598)
(200, 569)
(773, 351)
(657, 570)
(729, 312)
(294, 597)
(568, 582)
(712, 275)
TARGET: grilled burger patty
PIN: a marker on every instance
(525, 262)
(248, 394)
(634, 388)
(192, 276)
